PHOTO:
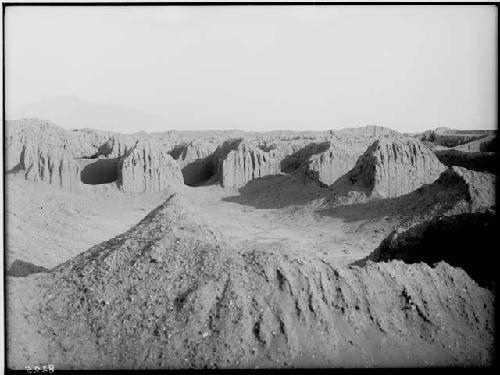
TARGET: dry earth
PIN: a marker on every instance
(279, 270)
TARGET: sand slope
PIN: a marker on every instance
(171, 292)
(46, 226)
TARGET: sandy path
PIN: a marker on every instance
(48, 226)
(301, 233)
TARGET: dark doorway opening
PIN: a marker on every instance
(198, 172)
(99, 171)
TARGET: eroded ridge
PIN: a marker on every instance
(172, 293)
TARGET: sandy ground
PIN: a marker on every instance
(47, 226)
(297, 230)
(108, 306)
(22, 330)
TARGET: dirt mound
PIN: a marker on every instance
(50, 164)
(171, 293)
(42, 151)
(478, 188)
(324, 159)
(456, 191)
(201, 155)
(80, 143)
(324, 162)
(477, 161)
(460, 140)
(46, 225)
(371, 131)
(389, 168)
(485, 144)
(295, 160)
(115, 146)
(454, 239)
(240, 161)
(434, 147)
(147, 167)
(193, 151)
(196, 160)
(328, 166)
(453, 137)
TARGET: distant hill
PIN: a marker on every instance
(72, 112)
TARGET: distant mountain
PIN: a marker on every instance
(72, 112)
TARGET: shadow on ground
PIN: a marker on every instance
(14, 170)
(20, 268)
(278, 191)
(465, 241)
(282, 190)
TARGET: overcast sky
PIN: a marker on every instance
(260, 68)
